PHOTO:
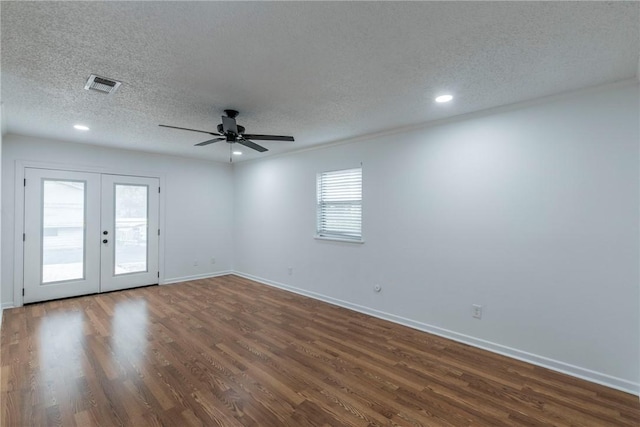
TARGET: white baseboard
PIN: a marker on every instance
(4, 306)
(195, 277)
(534, 359)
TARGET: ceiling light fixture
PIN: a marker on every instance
(81, 127)
(444, 98)
(238, 153)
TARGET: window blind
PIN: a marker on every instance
(340, 204)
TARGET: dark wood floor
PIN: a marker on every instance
(231, 352)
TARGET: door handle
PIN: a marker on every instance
(105, 241)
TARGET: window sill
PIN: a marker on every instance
(337, 239)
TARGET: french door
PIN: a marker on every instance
(88, 232)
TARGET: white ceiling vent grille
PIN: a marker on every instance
(102, 84)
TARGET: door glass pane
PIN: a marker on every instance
(131, 228)
(63, 214)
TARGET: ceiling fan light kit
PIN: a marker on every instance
(233, 133)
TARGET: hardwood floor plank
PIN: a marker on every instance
(230, 352)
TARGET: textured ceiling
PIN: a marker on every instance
(318, 71)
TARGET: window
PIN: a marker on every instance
(340, 205)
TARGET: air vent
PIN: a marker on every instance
(102, 84)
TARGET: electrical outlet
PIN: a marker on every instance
(290, 269)
(213, 260)
(476, 311)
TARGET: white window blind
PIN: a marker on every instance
(340, 204)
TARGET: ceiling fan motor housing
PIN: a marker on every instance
(221, 129)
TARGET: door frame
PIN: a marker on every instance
(18, 244)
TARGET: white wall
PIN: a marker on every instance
(531, 211)
(198, 199)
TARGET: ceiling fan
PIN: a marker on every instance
(231, 132)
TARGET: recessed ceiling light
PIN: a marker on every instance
(237, 153)
(81, 127)
(444, 98)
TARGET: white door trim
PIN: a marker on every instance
(18, 225)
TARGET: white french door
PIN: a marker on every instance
(129, 243)
(88, 232)
(62, 234)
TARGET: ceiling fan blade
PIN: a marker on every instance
(251, 144)
(191, 130)
(269, 137)
(229, 125)
(211, 141)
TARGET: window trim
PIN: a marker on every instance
(337, 239)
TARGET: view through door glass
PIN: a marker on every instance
(63, 234)
(131, 225)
